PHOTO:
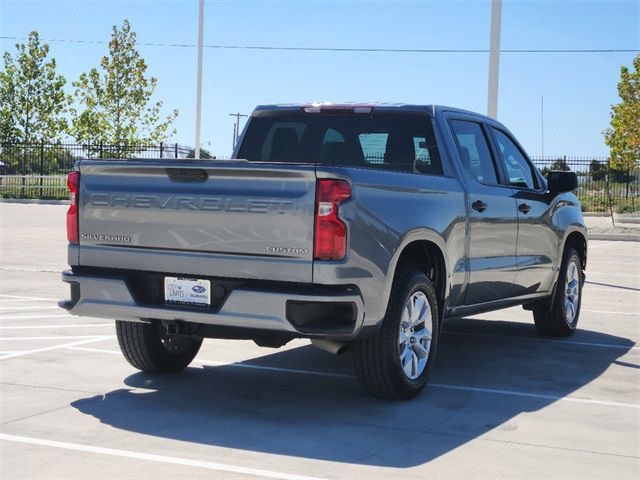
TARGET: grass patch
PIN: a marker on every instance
(50, 187)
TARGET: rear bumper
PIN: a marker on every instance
(310, 314)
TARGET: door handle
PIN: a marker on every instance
(479, 205)
(524, 208)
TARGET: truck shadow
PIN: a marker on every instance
(329, 418)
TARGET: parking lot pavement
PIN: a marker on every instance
(502, 402)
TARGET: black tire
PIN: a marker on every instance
(377, 358)
(550, 316)
(147, 348)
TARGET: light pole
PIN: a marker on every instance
(494, 58)
(236, 127)
(542, 123)
(199, 78)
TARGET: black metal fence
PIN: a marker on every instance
(58, 158)
(602, 188)
(39, 170)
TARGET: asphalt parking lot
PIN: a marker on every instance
(502, 403)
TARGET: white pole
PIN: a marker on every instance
(542, 123)
(199, 78)
(494, 58)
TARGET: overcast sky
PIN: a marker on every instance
(578, 88)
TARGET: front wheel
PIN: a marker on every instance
(395, 363)
(148, 348)
(558, 317)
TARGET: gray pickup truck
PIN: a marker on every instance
(360, 227)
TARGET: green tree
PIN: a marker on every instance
(597, 170)
(623, 137)
(560, 164)
(116, 101)
(204, 153)
(32, 99)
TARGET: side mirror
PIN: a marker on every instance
(559, 181)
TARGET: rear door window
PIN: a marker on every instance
(424, 162)
(404, 143)
(474, 151)
(373, 146)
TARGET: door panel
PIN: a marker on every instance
(492, 218)
(537, 245)
(492, 246)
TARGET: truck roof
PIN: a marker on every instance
(432, 110)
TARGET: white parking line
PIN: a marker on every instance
(605, 261)
(76, 325)
(533, 395)
(433, 385)
(96, 350)
(21, 300)
(220, 467)
(57, 337)
(27, 309)
(611, 312)
(608, 274)
(30, 298)
(438, 385)
(33, 317)
(546, 340)
(28, 269)
(615, 290)
(55, 347)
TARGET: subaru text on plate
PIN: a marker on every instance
(360, 227)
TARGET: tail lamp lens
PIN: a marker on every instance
(73, 184)
(330, 236)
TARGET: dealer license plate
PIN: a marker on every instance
(187, 291)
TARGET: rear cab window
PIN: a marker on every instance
(384, 141)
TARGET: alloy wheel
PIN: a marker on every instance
(414, 339)
(572, 292)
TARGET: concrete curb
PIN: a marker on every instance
(618, 237)
(627, 219)
(34, 200)
(596, 214)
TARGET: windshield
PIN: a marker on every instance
(403, 143)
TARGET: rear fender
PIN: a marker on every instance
(419, 234)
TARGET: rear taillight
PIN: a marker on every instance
(73, 184)
(330, 236)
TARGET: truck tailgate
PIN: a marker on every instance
(222, 218)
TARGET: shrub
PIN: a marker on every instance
(628, 206)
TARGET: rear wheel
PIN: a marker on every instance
(395, 363)
(558, 316)
(148, 348)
